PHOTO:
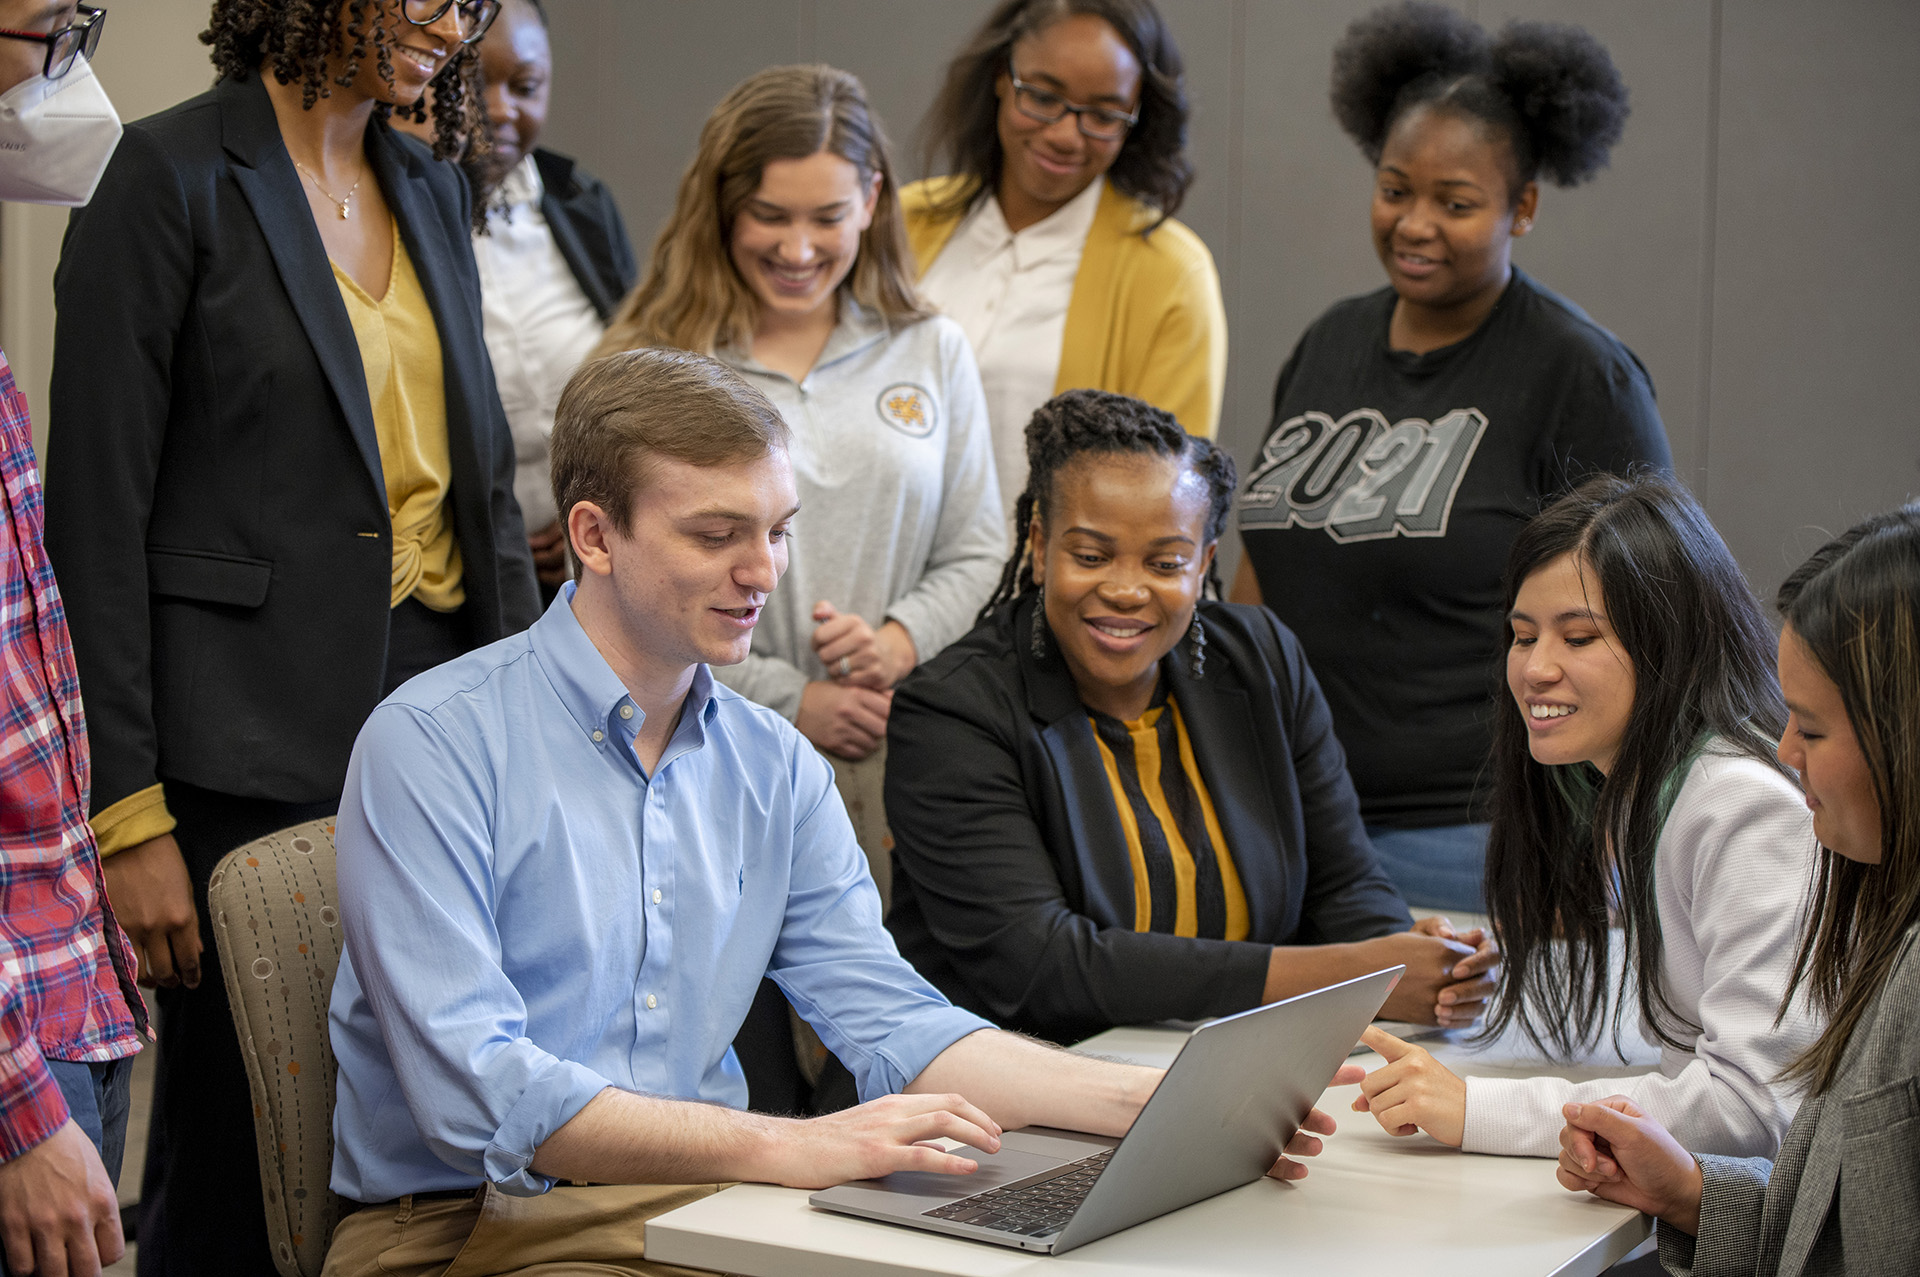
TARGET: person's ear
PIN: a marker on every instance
(872, 201)
(1206, 562)
(1037, 548)
(1523, 209)
(590, 534)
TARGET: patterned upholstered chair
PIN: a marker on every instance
(277, 921)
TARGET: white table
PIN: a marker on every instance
(1373, 1204)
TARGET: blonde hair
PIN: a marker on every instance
(691, 296)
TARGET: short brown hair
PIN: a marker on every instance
(619, 413)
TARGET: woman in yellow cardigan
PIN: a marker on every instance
(1062, 127)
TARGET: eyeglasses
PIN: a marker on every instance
(475, 15)
(1101, 123)
(78, 39)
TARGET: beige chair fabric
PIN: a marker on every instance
(277, 922)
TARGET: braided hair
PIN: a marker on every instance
(296, 40)
(1550, 90)
(1080, 423)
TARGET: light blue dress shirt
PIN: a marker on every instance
(530, 918)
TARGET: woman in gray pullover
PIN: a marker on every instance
(1844, 1192)
(786, 258)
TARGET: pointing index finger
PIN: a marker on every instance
(1387, 1046)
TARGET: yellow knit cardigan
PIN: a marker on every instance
(1145, 318)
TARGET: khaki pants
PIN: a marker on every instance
(568, 1232)
(862, 788)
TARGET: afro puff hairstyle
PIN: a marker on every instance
(1550, 89)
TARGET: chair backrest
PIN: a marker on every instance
(277, 922)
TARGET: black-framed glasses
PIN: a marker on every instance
(1101, 123)
(475, 15)
(78, 39)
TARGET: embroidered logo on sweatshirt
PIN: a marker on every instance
(1362, 478)
(908, 408)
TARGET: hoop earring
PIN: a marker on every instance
(1197, 641)
(1039, 642)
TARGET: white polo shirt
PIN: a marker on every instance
(1009, 293)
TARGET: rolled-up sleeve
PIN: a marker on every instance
(838, 965)
(417, 892)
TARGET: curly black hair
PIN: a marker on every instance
(1549, 89)
(298, 40)
(1077, 423)
(961, 131)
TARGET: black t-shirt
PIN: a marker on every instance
(1380, 510)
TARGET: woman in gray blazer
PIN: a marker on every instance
(1845, 1190)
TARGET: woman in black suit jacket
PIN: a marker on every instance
(218, 509)
(1116, 803)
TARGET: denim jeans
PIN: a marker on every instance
(1439, 868)
(98, 1096)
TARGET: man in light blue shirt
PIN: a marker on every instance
(566, 860)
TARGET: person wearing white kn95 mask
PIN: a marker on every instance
(57, 128)
(71, 1020)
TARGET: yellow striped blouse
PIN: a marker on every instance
(1184, 881)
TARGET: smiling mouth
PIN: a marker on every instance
(796, 278)
(1540, 712)
(739, 613)
(428, 63)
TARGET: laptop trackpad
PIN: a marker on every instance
(996, 1169)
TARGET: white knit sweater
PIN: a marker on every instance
(1732, 873)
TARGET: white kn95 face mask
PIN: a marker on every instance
(56, 137)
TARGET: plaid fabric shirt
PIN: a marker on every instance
(66, 968)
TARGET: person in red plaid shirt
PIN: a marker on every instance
(70, 1018)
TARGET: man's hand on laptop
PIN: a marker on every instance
(1304, 1143)
(893, 1133)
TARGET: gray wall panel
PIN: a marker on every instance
(1816, 310)
(635, 79)
(1630, 246)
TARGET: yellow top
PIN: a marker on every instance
(1145, 318)
(1184, 880)
(406, 385)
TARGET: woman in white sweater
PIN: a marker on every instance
(1635, 787)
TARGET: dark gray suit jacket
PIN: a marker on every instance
(1843, 1197)
(215, 504)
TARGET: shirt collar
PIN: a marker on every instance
(520, 186)
(1061, 231)
(592, 693)
(857, 328)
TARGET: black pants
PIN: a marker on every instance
(201, 1214)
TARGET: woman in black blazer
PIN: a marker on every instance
(1116, 803)
(252, 453)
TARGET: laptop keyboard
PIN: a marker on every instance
(1034, 1209)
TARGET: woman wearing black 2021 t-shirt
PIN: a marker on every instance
(1416, 428)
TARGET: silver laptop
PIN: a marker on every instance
(1231, 1100)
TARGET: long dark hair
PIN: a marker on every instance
(1856, 606)
(294, 40)
(1566, 842)
(1549, 89)
(1079, 423)
(961, 131)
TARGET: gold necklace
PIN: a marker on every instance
(340, 202)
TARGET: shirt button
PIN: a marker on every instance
(652, 1002)
(626, 711)
(599, 735)
(656, 895)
